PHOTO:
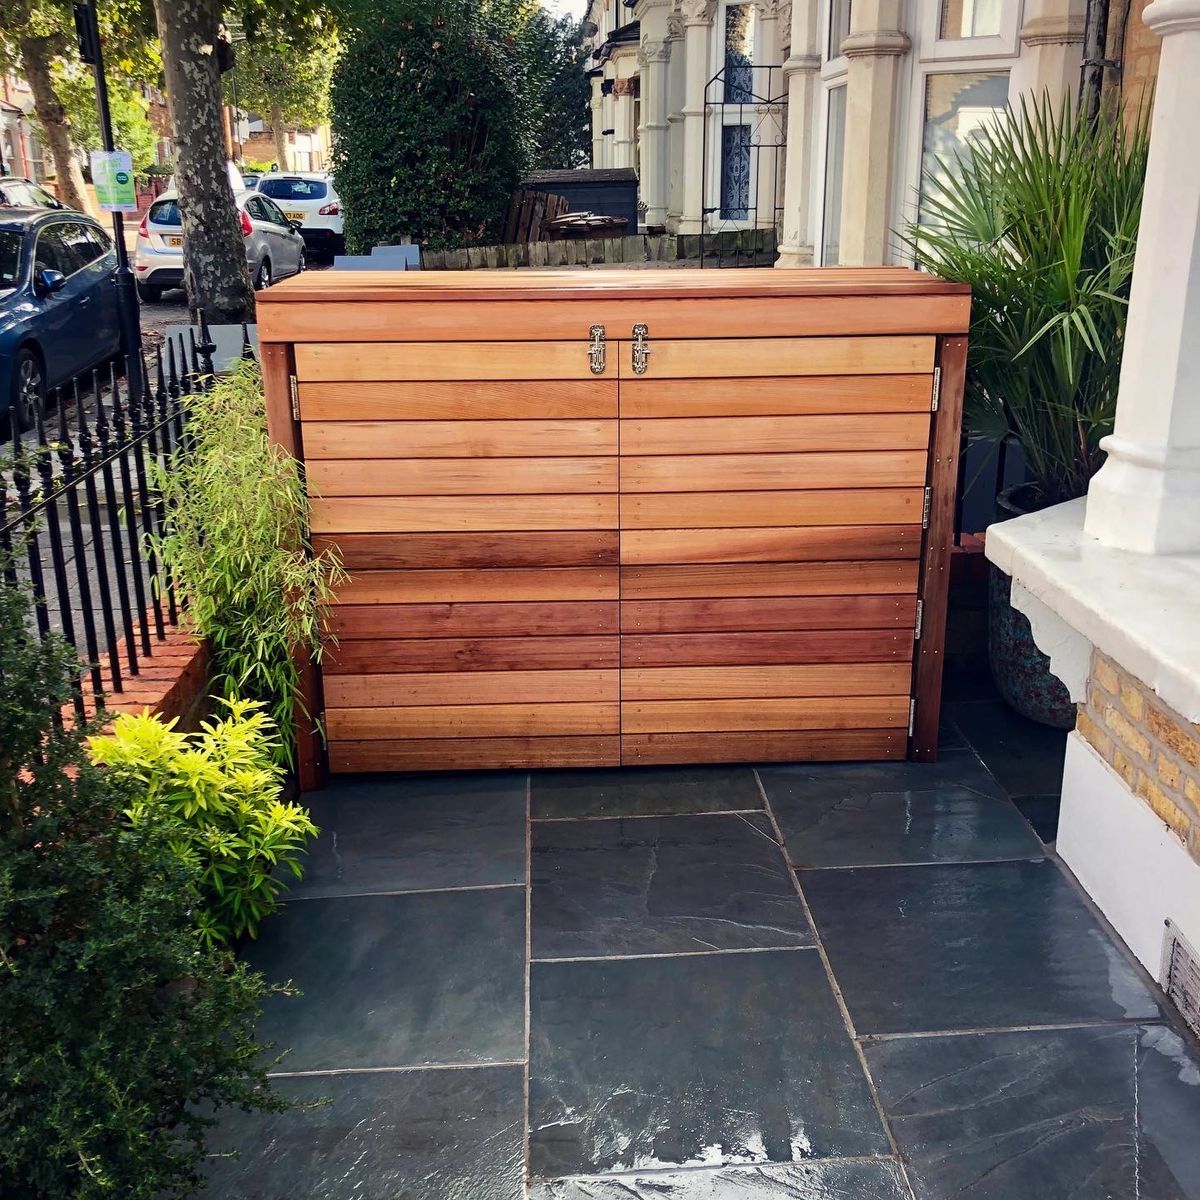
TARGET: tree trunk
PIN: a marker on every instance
(214, 254)
(36, 56)
(281, 149)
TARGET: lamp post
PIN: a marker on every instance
(88, 30)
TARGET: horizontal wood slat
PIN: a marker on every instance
(366, 551)
(459, 400)
(720, 358)
(435, 360)
(816, 543)
(356, 621)
(466, 754)
(717, 716)
(461, 476)
(433, 514)
(772, 472)
(458, 439)
(759, 612)
(406, 655)
(698, 683)
(480, 586)
(830, 745)
(472, 720)
(775, 435)
(472, 687)
(750, 649)
(768, 579)
(716, 510)
(774, 396)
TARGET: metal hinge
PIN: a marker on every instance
(295, 397)
(937, 388)
(641, 349)
(920, 618)
(596, 349)
(912, 715)
(925, 509)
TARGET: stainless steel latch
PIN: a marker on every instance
(641, 349)
(596, 349)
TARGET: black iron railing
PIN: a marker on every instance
(80, 512)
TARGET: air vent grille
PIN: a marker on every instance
(1181, 976)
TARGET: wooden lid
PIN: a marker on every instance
(578, 284)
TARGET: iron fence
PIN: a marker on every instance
(80, 513)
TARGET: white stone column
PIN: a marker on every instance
(624, 152)
(597, 81)
(608, 115)
(1051, 49)
(1146, 497)
(653, 57)
(769, 118)
(874, 49)
(697, 26)
(800, 71)
(676, 82)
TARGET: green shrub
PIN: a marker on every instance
(236, 549)
(119, 1028)
(218, 794)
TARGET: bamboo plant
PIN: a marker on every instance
(1040, 217)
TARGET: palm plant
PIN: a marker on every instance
(1040, 217)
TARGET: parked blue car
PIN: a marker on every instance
(58, 304)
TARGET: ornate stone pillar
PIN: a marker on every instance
(623, 124)
(770, 117)
(800, 72)
(874, 49)
(1146, 497)
(697, 24)
(1052, 48)
(597, 81)
(653, 57)
(676, 82)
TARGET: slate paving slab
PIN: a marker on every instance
(706, 1060)
(1086, 1114)
(1025, 757)
(644, 791)
(969, 947)
(382, 1135)
(407, 833)
(860, 1180)
(661, 885)
(389, 981)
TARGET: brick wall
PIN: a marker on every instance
(1150, 746)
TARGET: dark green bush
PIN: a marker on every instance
(118, 1027)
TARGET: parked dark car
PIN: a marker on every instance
(58, 304)
(17, 192)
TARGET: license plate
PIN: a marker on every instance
(174, 241)
(294, 216)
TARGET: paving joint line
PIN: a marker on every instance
(720, 812)
(583, 958)
(470, 887)
(396, 1070)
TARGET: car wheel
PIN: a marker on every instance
(28, 388)
(149, 293)
(303, 262)
(262, 280)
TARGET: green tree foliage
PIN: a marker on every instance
(429, 133)
(120, 1028)
(132, 130)
(557, 93)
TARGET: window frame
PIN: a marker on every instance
(933, 48)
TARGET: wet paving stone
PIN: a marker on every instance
(969, 947)
(406, 833)
(389, 981)
(883, 814)
(421, 1135)
(707, 1060)
(644, 791)
(1025, 757)
(1084, 1114)
(801, 1181)
(661, 885)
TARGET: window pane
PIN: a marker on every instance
(293, 189)
(839, 26)
(739, 54)
(970, 19)
(735, 172)
(958, 108)
(835, 156)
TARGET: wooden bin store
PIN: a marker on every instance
(595, 518)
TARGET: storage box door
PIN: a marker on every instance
(771, 532)
(471, 491)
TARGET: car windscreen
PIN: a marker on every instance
(294, 189)
(165, 212)
(10, 259)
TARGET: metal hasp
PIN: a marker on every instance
(596, 349)
(641, 349)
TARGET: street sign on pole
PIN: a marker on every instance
(112, 175)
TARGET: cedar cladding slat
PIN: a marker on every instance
(418, 551)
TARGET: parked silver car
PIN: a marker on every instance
(274, 247)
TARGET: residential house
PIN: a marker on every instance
(20, 148)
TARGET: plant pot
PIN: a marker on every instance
(1021, 671)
